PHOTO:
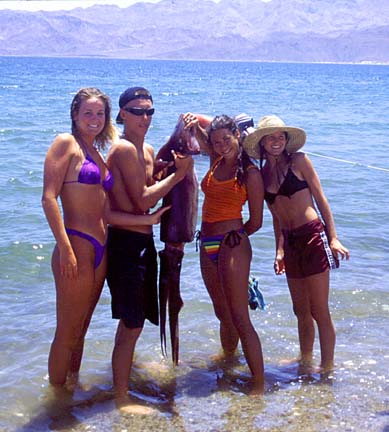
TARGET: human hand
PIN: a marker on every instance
(160, 169)
(155, 217)
(190, 120)
(68, 264)
(338, 249)
(279, 265)
(183, 163)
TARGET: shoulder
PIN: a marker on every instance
(253, 170)
(121, 146)
(301, 164)
(120, 153)
(149, 149)
(64, 138)
(252, 166)
(300, 160)
(298, 156)
(253, 176)
(64, 143)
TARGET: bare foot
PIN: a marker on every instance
(324, 372)
(223, 357)
(127, 406)
(306, 368)
(136, 409)
(304, 363)
(257, 388)
(72, 381)
(287, 362)
(327, 367)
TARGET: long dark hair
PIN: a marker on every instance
(108, 131)
(225, 122)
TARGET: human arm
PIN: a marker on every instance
(305, 166)
(119, 218)
(192, 121)
(279, 265)
(56, 165)
(255, 192)
(136, 171)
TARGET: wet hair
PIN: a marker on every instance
(225, 122)
(108, 131)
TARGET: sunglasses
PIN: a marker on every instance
(140, 111)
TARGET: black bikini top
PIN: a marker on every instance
(289, 186)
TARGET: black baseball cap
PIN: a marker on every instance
(130, 94)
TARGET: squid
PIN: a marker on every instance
(178, 226)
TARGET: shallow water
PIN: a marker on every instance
(341, 108)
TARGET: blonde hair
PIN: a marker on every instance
(109, 132)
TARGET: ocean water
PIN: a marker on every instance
(344, 111)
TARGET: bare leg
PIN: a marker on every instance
(122, 358)
(229, 336)
(234, 268)
(76, 299)
(75, 362)
(302, 309)
(319, 293)
(310, 303)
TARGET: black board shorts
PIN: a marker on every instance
(132, 277)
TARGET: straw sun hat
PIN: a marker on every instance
(268, 125)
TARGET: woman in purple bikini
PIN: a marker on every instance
(306, 249)
(75, 171)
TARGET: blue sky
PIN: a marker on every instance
(50, 5)
(34, 5)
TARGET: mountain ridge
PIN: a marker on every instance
(297, 31)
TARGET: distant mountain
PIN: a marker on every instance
(279, 30)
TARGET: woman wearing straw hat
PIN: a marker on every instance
(306, 249)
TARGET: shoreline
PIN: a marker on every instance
(363, 63)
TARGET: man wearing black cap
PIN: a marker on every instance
(132, 258)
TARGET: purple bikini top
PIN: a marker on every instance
(90, 174)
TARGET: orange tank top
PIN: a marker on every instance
(223, 200)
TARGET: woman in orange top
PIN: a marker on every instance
(225, 253)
